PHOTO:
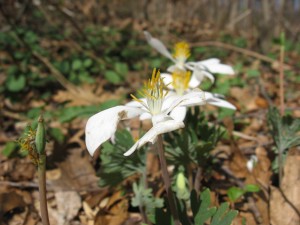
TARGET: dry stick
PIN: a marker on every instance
(166, 179)
(240, 50)
(42, 189)
(74, 90)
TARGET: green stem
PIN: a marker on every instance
(166, 179)
(42, 189)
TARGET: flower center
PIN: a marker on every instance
(182, 52)
(181, 81)
(154, 92)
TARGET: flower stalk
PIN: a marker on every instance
(42, 188)
(34, 143)
(166, 179)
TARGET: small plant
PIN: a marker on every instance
(285, 133)
(234, 193)
(34, 143)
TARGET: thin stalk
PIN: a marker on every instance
(141, 207)
(198, 177)
(144, 215)
(42, 189)
(282, 106)
(281, 80)
(166, 179)
(280, 170)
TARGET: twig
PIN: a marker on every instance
(240, 134)
(74, 90)
(22, 184)
(166, 179)
(240, 50)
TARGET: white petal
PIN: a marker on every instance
(193, 98)
(213, 100)
(169, 99)
(102, 126)
(214, 66)
(150, 136)
(199, 73)
(222, 69)
(167, 79)
(211, 61)
(158, 45)
(145, 116)
(178, 113)
(194, 82)
(172, 68)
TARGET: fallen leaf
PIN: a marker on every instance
(115, 212)
(10, 201)
(285, 202)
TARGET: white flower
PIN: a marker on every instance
(251, 163)
(200, 69)
(180, 83)
(102, 126)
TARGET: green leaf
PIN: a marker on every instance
(252, 188)
(112, 77)
(235, 193)
(223, 112)
(115, 168)
(143, 197)
(87, 63)
(284, 129)
(204, 212)
(222, 217)
(65, 67)
(253, 73)
(57, 134)
(15, 84)
(76, 64)
(121, 69)
(9, 148)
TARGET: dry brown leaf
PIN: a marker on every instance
(77, 173)
(9, 201)
(238, 161)
(68, 205)
(285, 203)
(262, 170)
(246, 97)
(115, 212)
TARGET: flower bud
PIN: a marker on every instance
(40, 138)
(180, 181)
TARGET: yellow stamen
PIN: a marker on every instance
(153, 91)
(181, 80)
(27, 144)
(182, 51)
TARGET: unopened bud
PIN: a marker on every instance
(180, 181)
(40, 138)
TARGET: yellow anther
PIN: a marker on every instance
(181, 80)
(154, 92)
(182, 51)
